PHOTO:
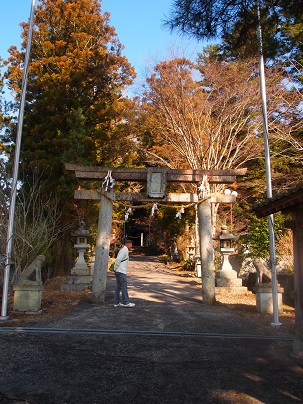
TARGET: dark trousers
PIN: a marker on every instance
(121, 286)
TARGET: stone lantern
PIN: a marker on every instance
(226, 247)
(81, 247)
(80, 278)
(226, 276)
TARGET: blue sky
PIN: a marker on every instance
(138, 24)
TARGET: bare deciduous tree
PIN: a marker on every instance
(36, 223)
(208, 116)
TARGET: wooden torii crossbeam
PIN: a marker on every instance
(156, 179)
(172, 175)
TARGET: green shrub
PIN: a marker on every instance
(189, 265)
(257, 239)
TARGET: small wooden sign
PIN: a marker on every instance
(156, 182)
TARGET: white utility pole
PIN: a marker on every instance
(9, 242)
(268, 171)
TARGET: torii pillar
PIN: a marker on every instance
(102, 248)
(206, 252)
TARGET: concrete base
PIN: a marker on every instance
(75, 283)
(27, 298)
(264, 303)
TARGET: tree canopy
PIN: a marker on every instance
(199, 115)
(207, 115)
(75, 108)
(77, 77)
(235, 23)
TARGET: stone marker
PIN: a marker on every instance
(28, 291)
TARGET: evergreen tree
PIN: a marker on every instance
(235, 23)
(292, 32)
(75, 105)
(76, 81)
(2, 104)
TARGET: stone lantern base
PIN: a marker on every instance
(228, 278)
(76, 282)
(227, 281)
(80, 278)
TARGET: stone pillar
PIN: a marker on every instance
(206, 252)
(102, 249)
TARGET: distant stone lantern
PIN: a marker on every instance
(226, 276)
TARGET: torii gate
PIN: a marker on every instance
(156, 179)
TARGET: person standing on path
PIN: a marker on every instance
(120, 268)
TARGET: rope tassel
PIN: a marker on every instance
(108, 181)
(204, 187)
(179, 214)
(153, 209)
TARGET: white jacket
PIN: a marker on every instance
(121, 263)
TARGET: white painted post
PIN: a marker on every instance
(102, 249)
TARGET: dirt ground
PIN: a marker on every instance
(57, 304)
(168, 349)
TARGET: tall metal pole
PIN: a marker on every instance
(268, 172)
(9, 242)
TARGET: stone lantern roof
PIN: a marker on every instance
(225, 235)
(82, 232)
